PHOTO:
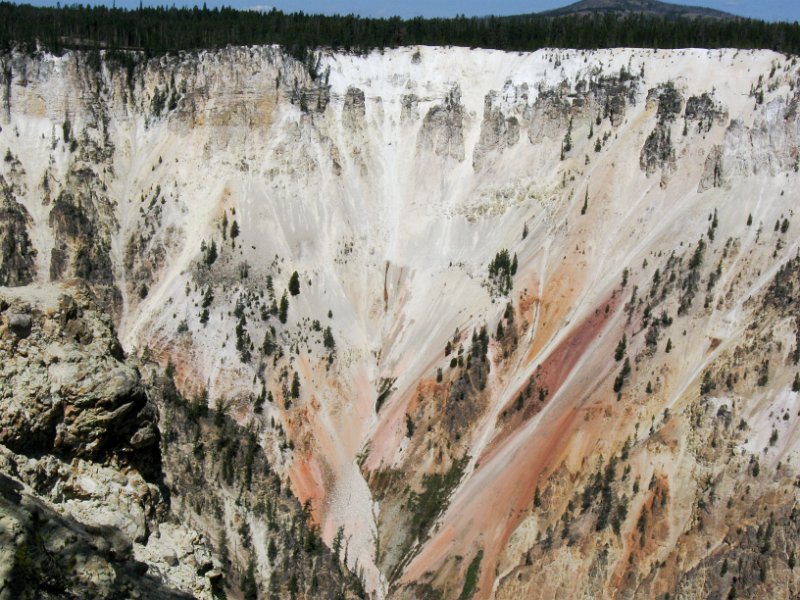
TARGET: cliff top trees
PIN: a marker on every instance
(158, 30)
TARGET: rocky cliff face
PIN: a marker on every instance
(82, 467)
(428, 323)
(97, 499)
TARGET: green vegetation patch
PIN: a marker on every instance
(428, 504)
(471, 580)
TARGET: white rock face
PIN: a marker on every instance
(389, 182)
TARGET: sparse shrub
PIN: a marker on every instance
(708, 384)
(763, 374)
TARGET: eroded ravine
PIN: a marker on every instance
(424, 261)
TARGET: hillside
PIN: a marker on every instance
(639, 7)
(488, 324)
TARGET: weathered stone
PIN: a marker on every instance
(17, 255)
(83, 401)
(354, 109)
(20, 324)
(443, 127)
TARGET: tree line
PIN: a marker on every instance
(159, 30)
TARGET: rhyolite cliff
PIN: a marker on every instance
(423, 323)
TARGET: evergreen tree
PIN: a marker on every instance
(283, 310)
(295, 386)
(248, 582)
(327, 339)
(211, 253)
(294, 284)
(621, 347)
(131, 36)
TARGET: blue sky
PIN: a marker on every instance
(772, 10)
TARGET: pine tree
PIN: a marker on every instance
(327, 339)
(621, 347)
(248, 582)
(336, 545)
(283, 309)
(294, 284)
(295, 386)
(623, 375)
(211, 253)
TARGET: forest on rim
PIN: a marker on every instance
(161, 30)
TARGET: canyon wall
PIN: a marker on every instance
(499, 324)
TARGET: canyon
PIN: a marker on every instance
(427, 322)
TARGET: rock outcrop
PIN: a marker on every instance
(498, 130)
(66, 388)
(94, 503)
(82, 481)
(17, 255)
(443, 127)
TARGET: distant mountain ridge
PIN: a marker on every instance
(647, 7)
